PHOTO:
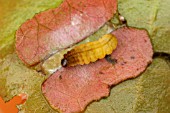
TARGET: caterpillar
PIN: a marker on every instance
(90, 52)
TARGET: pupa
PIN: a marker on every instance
(90, 52)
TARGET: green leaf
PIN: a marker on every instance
(152, 15)
(146, 94)
(20, 79)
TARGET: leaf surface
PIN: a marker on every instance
(152, 15)
(20, 79)
(147, 93)
(129, 96)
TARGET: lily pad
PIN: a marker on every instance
(152, 15)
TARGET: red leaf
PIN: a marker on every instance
(71, 89)
(59, 28)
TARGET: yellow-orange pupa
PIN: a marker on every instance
(91, 51)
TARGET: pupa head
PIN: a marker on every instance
(64, 62)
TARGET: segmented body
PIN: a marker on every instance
(91, 51)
